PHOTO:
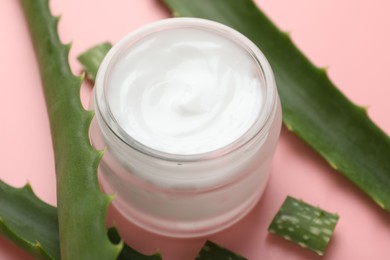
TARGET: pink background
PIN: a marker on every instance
(350, 37)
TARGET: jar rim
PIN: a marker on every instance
(259, 127)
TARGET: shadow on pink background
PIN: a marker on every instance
(349, 37)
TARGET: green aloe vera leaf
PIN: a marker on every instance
(212, 251)
(33, 225)
(129, 253)
(81, 205)
(92, 58)
(308, 226)
(29, 222)
(313, 108)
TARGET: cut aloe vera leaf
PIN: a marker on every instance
(129, 253)
(212, 251)
(81, 205)
(92, 58)
(307, 226)
(29, 222)
(313, 108)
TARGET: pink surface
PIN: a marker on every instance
(351, 37)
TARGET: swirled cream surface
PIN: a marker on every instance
(185, 91)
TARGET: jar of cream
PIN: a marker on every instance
(190, 116)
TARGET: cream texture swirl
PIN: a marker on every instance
(185, 91)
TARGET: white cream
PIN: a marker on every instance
(185, 91)
(189, 117)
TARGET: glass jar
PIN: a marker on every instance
(185, 195)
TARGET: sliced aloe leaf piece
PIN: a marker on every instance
(307, 226)
(29, 222)
(212, 251)
(313, 108)
(129, 253)
(92, 58)
(81, 205)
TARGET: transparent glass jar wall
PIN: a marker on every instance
(185, 195)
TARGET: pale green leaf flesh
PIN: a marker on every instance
(307, 226)
(313, 108)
